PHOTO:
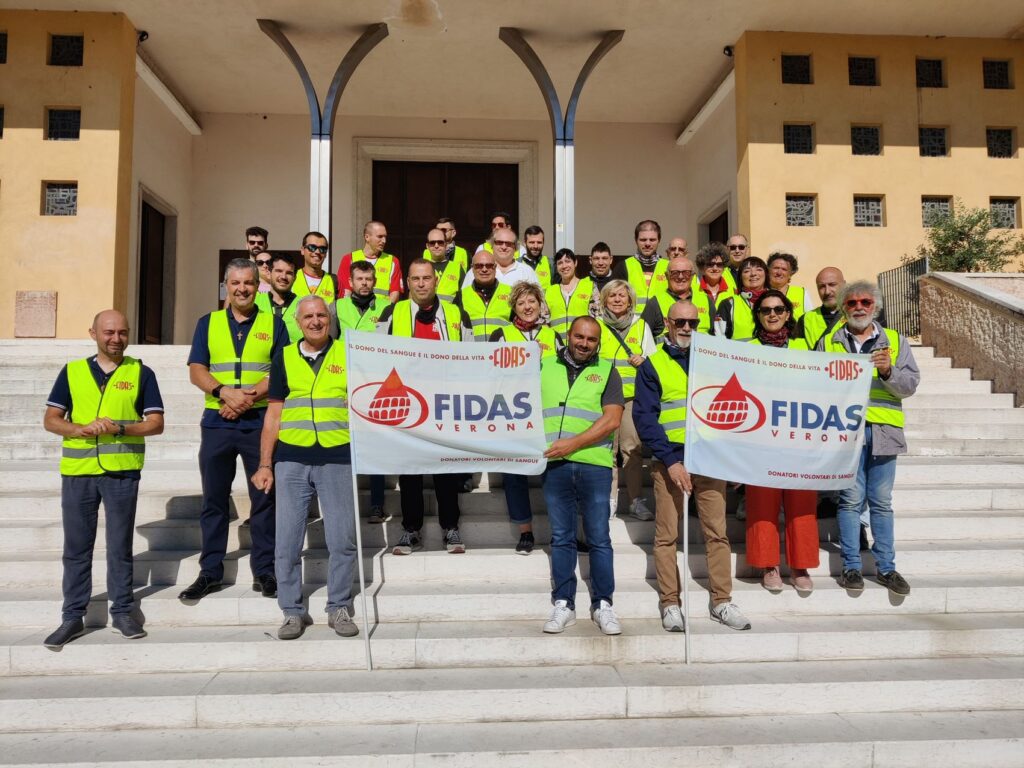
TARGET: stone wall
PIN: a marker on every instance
(978, 321)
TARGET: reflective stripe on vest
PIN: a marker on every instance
(883, 406)
(486, 318)
(382, 269)
(254, 364)
(564, 312)
(349, 315)
(291, 324)
(104, 453)
(449, 280)
(325, 290)
(672, 378)
(315, 412)
(572, 410)
(644, 290)
(545, 338)
(612, 350)
(402, 319)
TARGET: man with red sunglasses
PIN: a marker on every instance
(895, 377)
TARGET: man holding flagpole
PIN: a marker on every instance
(659, 413)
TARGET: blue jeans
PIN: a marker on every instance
(569, 485)
(517, 498)
(873, 484)
(294, 486)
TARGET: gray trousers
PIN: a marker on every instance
(295, 484)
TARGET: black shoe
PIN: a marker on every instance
(65, 633)
(865, 546)
(200, 588)
(525, 545)
(127, 626)
(894, 582)
(852, 581)
(265, 584)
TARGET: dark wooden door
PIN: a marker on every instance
(151, 275)
(718, 228)
(409, 197)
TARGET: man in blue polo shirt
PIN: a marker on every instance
(104, 407)
(230, 362)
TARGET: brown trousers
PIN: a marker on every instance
(668, 500)
(628, 442)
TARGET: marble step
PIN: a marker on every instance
(502, 694)
(980, 739)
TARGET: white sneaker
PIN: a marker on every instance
(605, 618)
(672, 619)
(562, 616)
(730, 615)
(639, 510)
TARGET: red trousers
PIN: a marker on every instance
(763, 527)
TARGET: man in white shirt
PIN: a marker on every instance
(509, 271)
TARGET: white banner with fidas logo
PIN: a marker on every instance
(772, 417)
(425, 407)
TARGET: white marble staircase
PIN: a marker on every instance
(464, 675)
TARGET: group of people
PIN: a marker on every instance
(614, 345)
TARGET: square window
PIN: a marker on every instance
(60, 198)
(801, 211)
(930, 73)
(796, 69)
(1005, 212)
(999, 142)
(867, 211)
(798, 139)
(933, 207)
(63, 124)
(996, 74)
(866, 139)
(932, 142)
(66, 50)
(3, 47)
(863, 70)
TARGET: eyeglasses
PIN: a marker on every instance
(854, 303)
(737, 247)
(316, 248)
(680, 274)
(765, 311)
(684, 322)
(715, 265)
(263, 262)
(446, 230)
(435, 242)
(505, 243)
(486, 265)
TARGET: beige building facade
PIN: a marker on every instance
(214, 159)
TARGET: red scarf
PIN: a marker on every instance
(779, 338)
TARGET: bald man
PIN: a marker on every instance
(104, 407)
(816, 323)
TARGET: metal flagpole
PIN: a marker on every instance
(686, 572)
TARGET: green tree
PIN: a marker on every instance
(964, 240)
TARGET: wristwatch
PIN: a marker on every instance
(216, 391)
(120, 430)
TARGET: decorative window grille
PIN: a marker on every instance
(801, 211)
(933, 208)
(863, 70)
(60, 199)
(996, 74)
(930, 74)
(866, 139)
(1004, 212)
(867, 211)
(796, 69)
(999, 141)
(3, 47)
(932, 142)
(63, 124)
(66, 50)
(798, 139)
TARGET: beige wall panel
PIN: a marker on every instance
(709, 171)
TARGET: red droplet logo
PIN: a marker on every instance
(729, 408)
(390, 403)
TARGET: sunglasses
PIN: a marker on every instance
(737, 247)
(316, 248)
(435, 242)
(263, 262)
(715, 265)
(866, 303)
(679, 274)
(505, 243)
(483, 266)
(498, 224)
(685, 322)
(765, 311)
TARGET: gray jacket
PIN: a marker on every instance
(887, 440)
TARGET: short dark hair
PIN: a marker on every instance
(282, 257)
(444, 220)
(601, 246)
(533, 229)
(786, 257)
(360, 266)
(771, 293)
(753, 261)
(506, 216)
(561, 253)
(709, 251)
(254, 231)
(414, 262)
(645, 225)
(314, 233)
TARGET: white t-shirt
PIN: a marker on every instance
(518, 271)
